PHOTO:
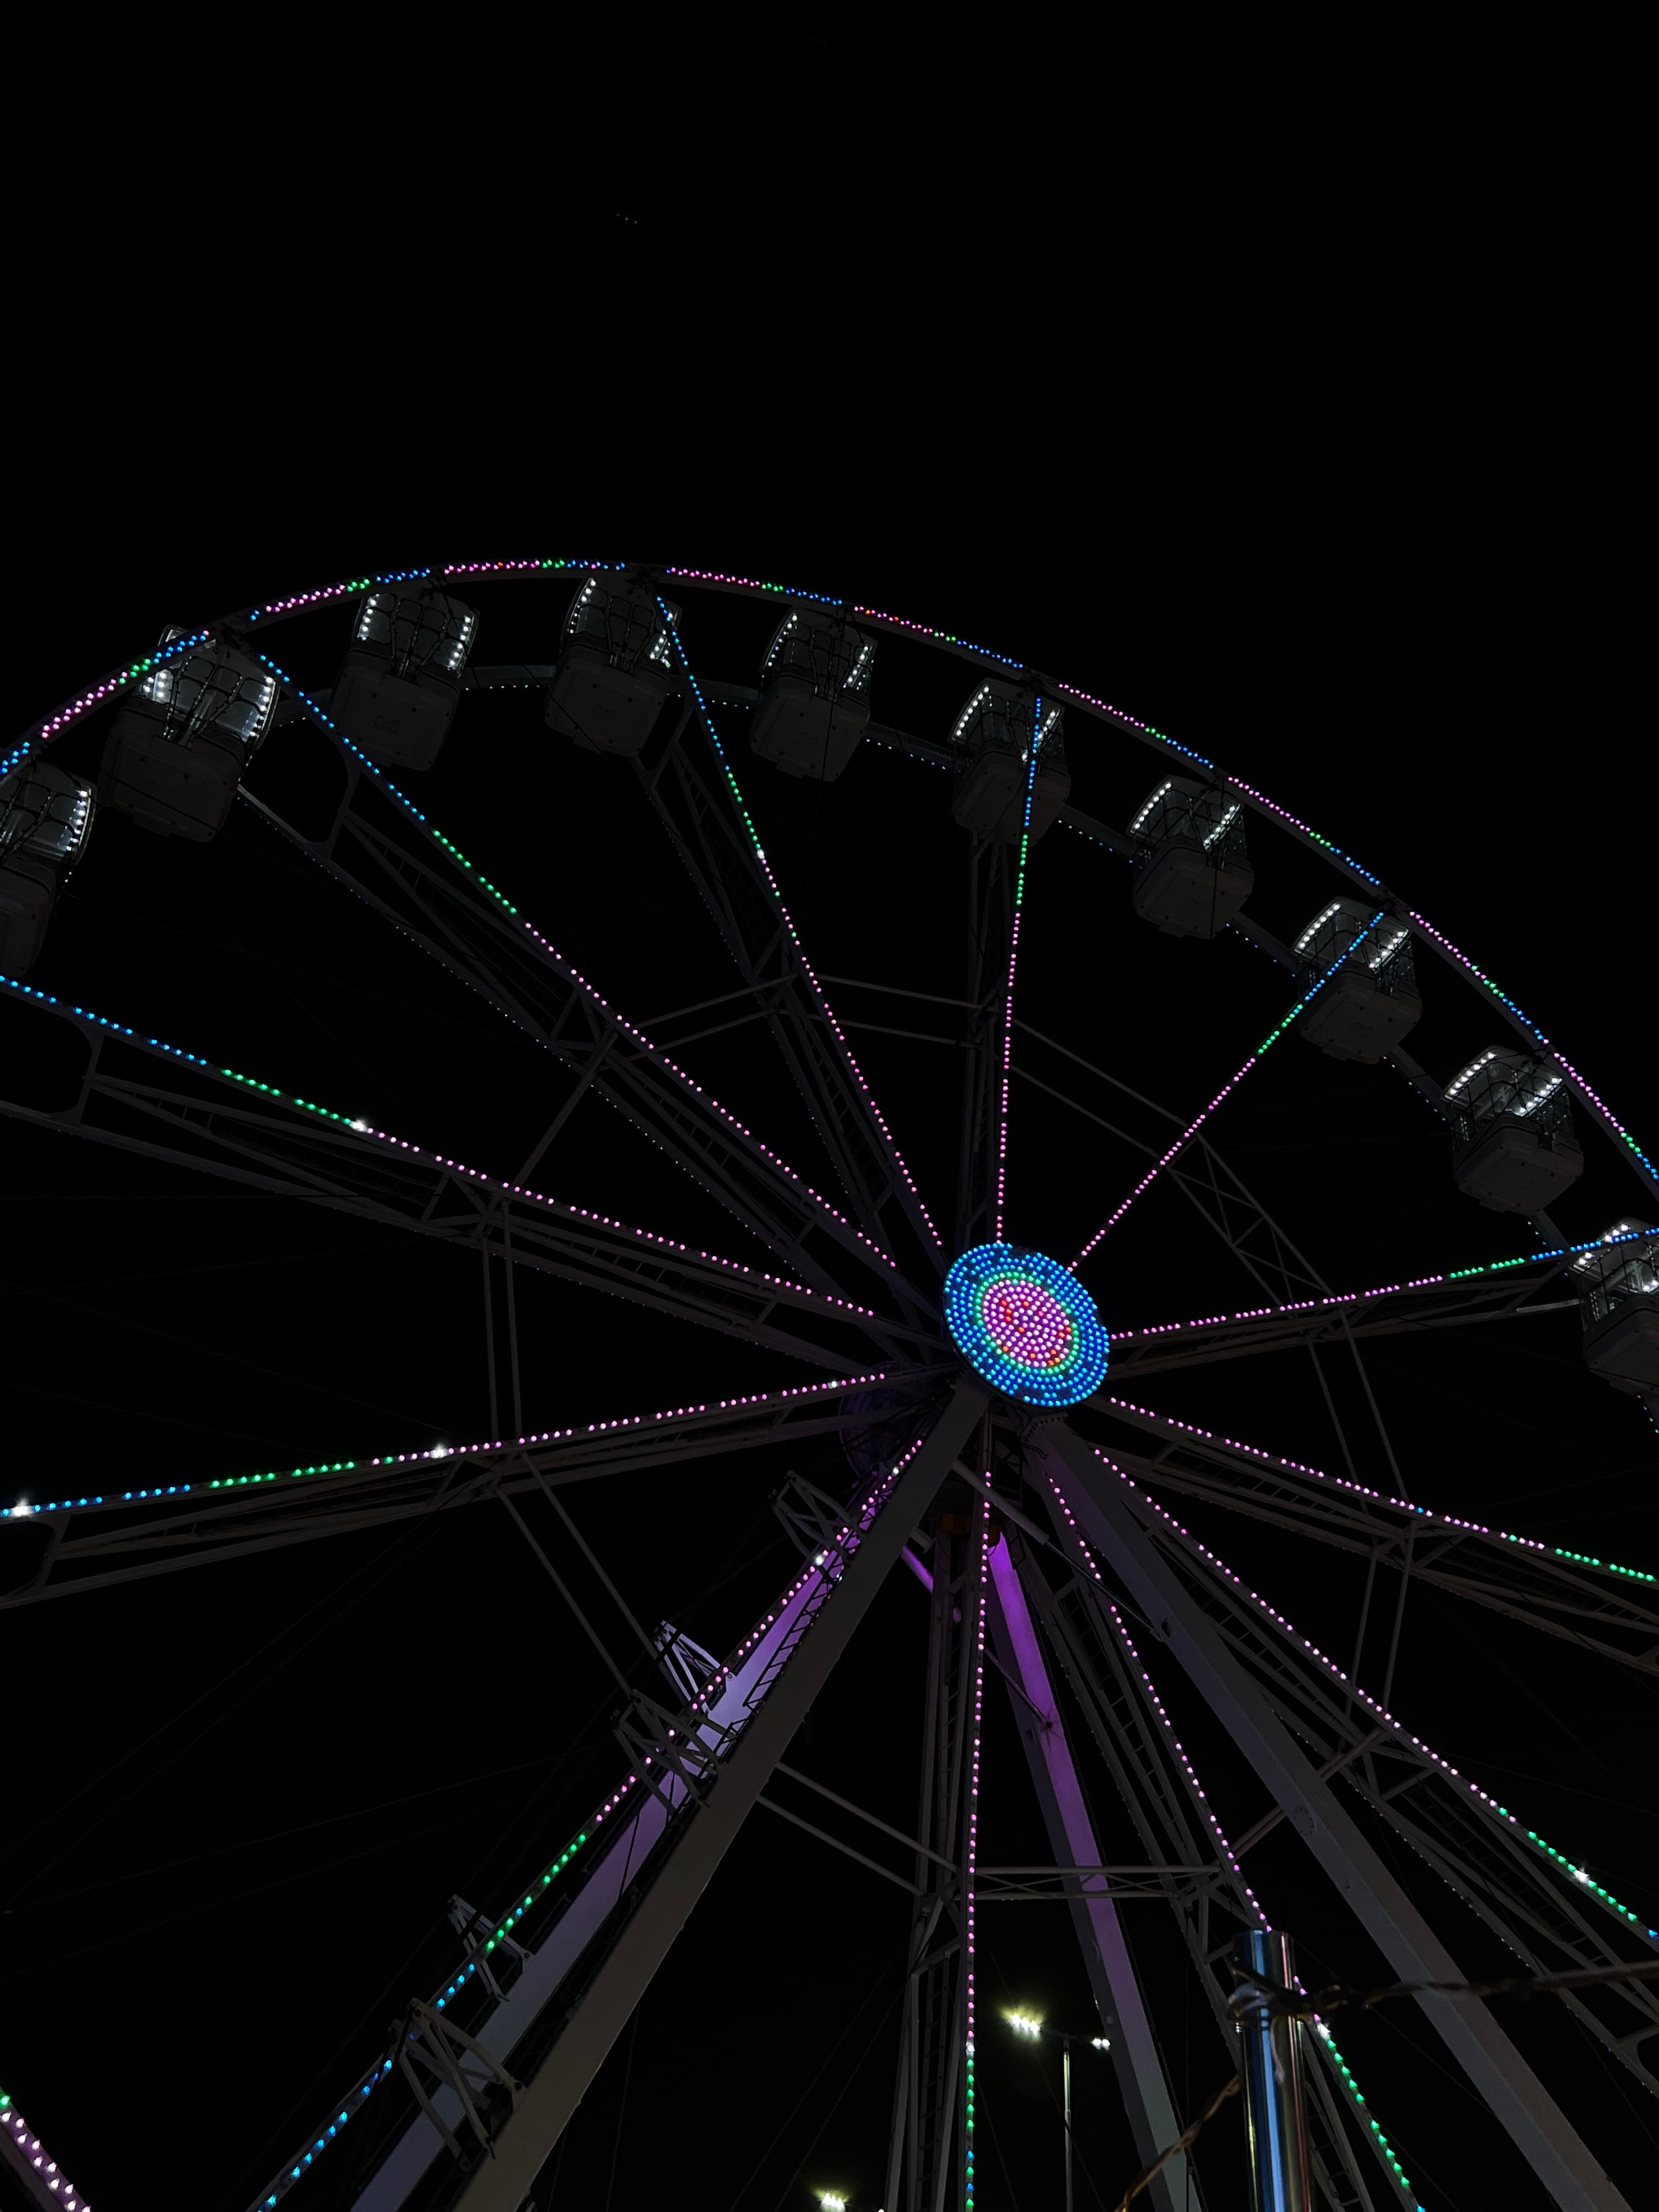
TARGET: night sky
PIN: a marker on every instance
(1274, 380)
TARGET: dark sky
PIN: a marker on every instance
(1274, 378)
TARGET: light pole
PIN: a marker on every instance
(1027, 2023)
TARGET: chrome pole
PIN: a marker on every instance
(1270, 2049)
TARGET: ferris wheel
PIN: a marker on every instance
(929, 1162)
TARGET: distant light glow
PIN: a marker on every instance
(1024, 2023)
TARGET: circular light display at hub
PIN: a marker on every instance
(1026, 1325)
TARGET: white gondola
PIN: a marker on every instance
(815, 695)
(1619, 1295)
(399, 683)
(992, 737)
(1192, 874)
(615, 668)
(182, 739)
(1372, 1000)
(1516, 1150)
(46, 816)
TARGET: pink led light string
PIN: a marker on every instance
(574, 975)
(1226, 1091)
(1013, 961)
(1381, 1291)
(38, 2158)
(1631, 1922)
(970, 1845)
(893, 1153)
(1081, 1546)
(1165, 1423)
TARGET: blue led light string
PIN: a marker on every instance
(1013, 962)
(1226, 1090)
(1631, 1922)
(382, 1138)
(793, 935)
(298, 603)
(637, 1036)
(208, 1487)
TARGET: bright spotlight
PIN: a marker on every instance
(827, 2202)
(1100, 2043)
(1022, 2023)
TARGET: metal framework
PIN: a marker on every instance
(1048, 1544)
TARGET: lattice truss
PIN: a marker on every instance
(1044, 1520)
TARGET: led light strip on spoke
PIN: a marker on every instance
(1381, 1291)
(28, 2146)
(1226, 1091)
(978, 1578)
(1364, 1489)
(824, 1571)
(571, 974)
(799, 949)
(797, 1394)
(1631, 1922)
(1126, 1640)
(1013, 961)
(648, 1238)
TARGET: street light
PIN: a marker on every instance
(1028, 2024)
(828, 2201)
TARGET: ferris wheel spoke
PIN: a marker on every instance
(468, 927)
(843, 1107)
(1495, 1290)
(122, 1535)
(292, 1146)
(1085, 1497)
(1232, 1084)
(1600, 1606)
(1006, 1024)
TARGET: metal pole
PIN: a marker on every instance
(1066, 2067)
(1270, 2048)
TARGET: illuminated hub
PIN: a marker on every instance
(1026, 1325)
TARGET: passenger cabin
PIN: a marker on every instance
(1191, 872)
(1372, 1000)
(183, 737)
(992, 738)
(616, 666)
(815, 695)
(1617, 1285)
(1515, 1150)
(399, 683)
(45, 816)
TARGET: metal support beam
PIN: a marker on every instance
(1518, 2100)
(501, 2182)
(1135, 2059)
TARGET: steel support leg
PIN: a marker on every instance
(501, 2181)
(1518, 2100)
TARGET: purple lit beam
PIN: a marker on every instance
(1072, 1837)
